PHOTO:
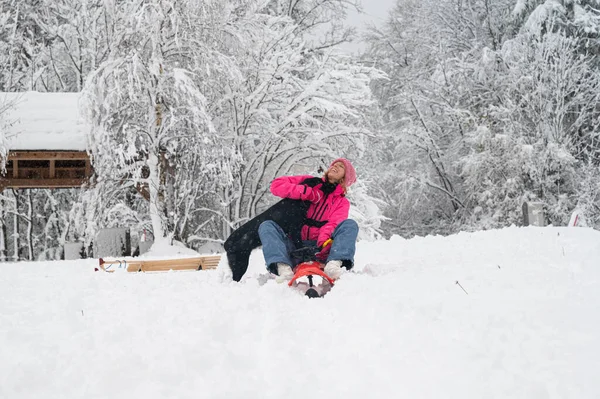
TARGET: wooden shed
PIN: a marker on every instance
(46, 141)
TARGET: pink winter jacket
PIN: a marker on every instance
(333, 208)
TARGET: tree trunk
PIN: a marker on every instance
(155, 201)
(3, 232)
(29, 226)
(168, 184)
(16, 230)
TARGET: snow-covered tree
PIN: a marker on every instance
(51, 45)
(319, 22)
(494, 106)
(78, 33)
(207, 104)
(196, 105)
(20, 44)
(298, 111)
(422, 114)
(147, 103)
(5, 121)
(290, 107)
(538, 127)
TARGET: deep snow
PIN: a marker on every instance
(398, 327)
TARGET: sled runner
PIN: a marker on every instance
(310, 267)
(159, 265)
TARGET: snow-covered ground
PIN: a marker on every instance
(399, 327)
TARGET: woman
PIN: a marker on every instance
(327, 225)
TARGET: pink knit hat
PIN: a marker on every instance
(350, 176)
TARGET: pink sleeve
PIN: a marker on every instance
(336, 217)
(290, 187)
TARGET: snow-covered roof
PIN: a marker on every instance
(43, 121)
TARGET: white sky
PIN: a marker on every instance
(375, 12)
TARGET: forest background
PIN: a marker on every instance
(454, 114)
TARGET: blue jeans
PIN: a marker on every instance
(277, 246)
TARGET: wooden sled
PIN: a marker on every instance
(162, 265)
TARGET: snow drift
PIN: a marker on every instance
(511, 313)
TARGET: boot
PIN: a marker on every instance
(284, 272)
(333, 269)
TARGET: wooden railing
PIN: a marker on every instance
(46, 169)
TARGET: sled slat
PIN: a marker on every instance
(210, 262)
(134, 267)
(175, 264)
(162, 265)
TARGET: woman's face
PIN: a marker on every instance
(336, 172)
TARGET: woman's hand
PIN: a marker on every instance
(312, 190)
(312, 194)
(312, 181)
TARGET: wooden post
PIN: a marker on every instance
(88, 168)
(16, 168)
(52, 168)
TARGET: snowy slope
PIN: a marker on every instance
(399, 327)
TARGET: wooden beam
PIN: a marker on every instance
(41, 183)
(47, 155)
(210, 262)
(27, 176)
(88, 168)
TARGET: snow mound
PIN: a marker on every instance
(509, 313)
